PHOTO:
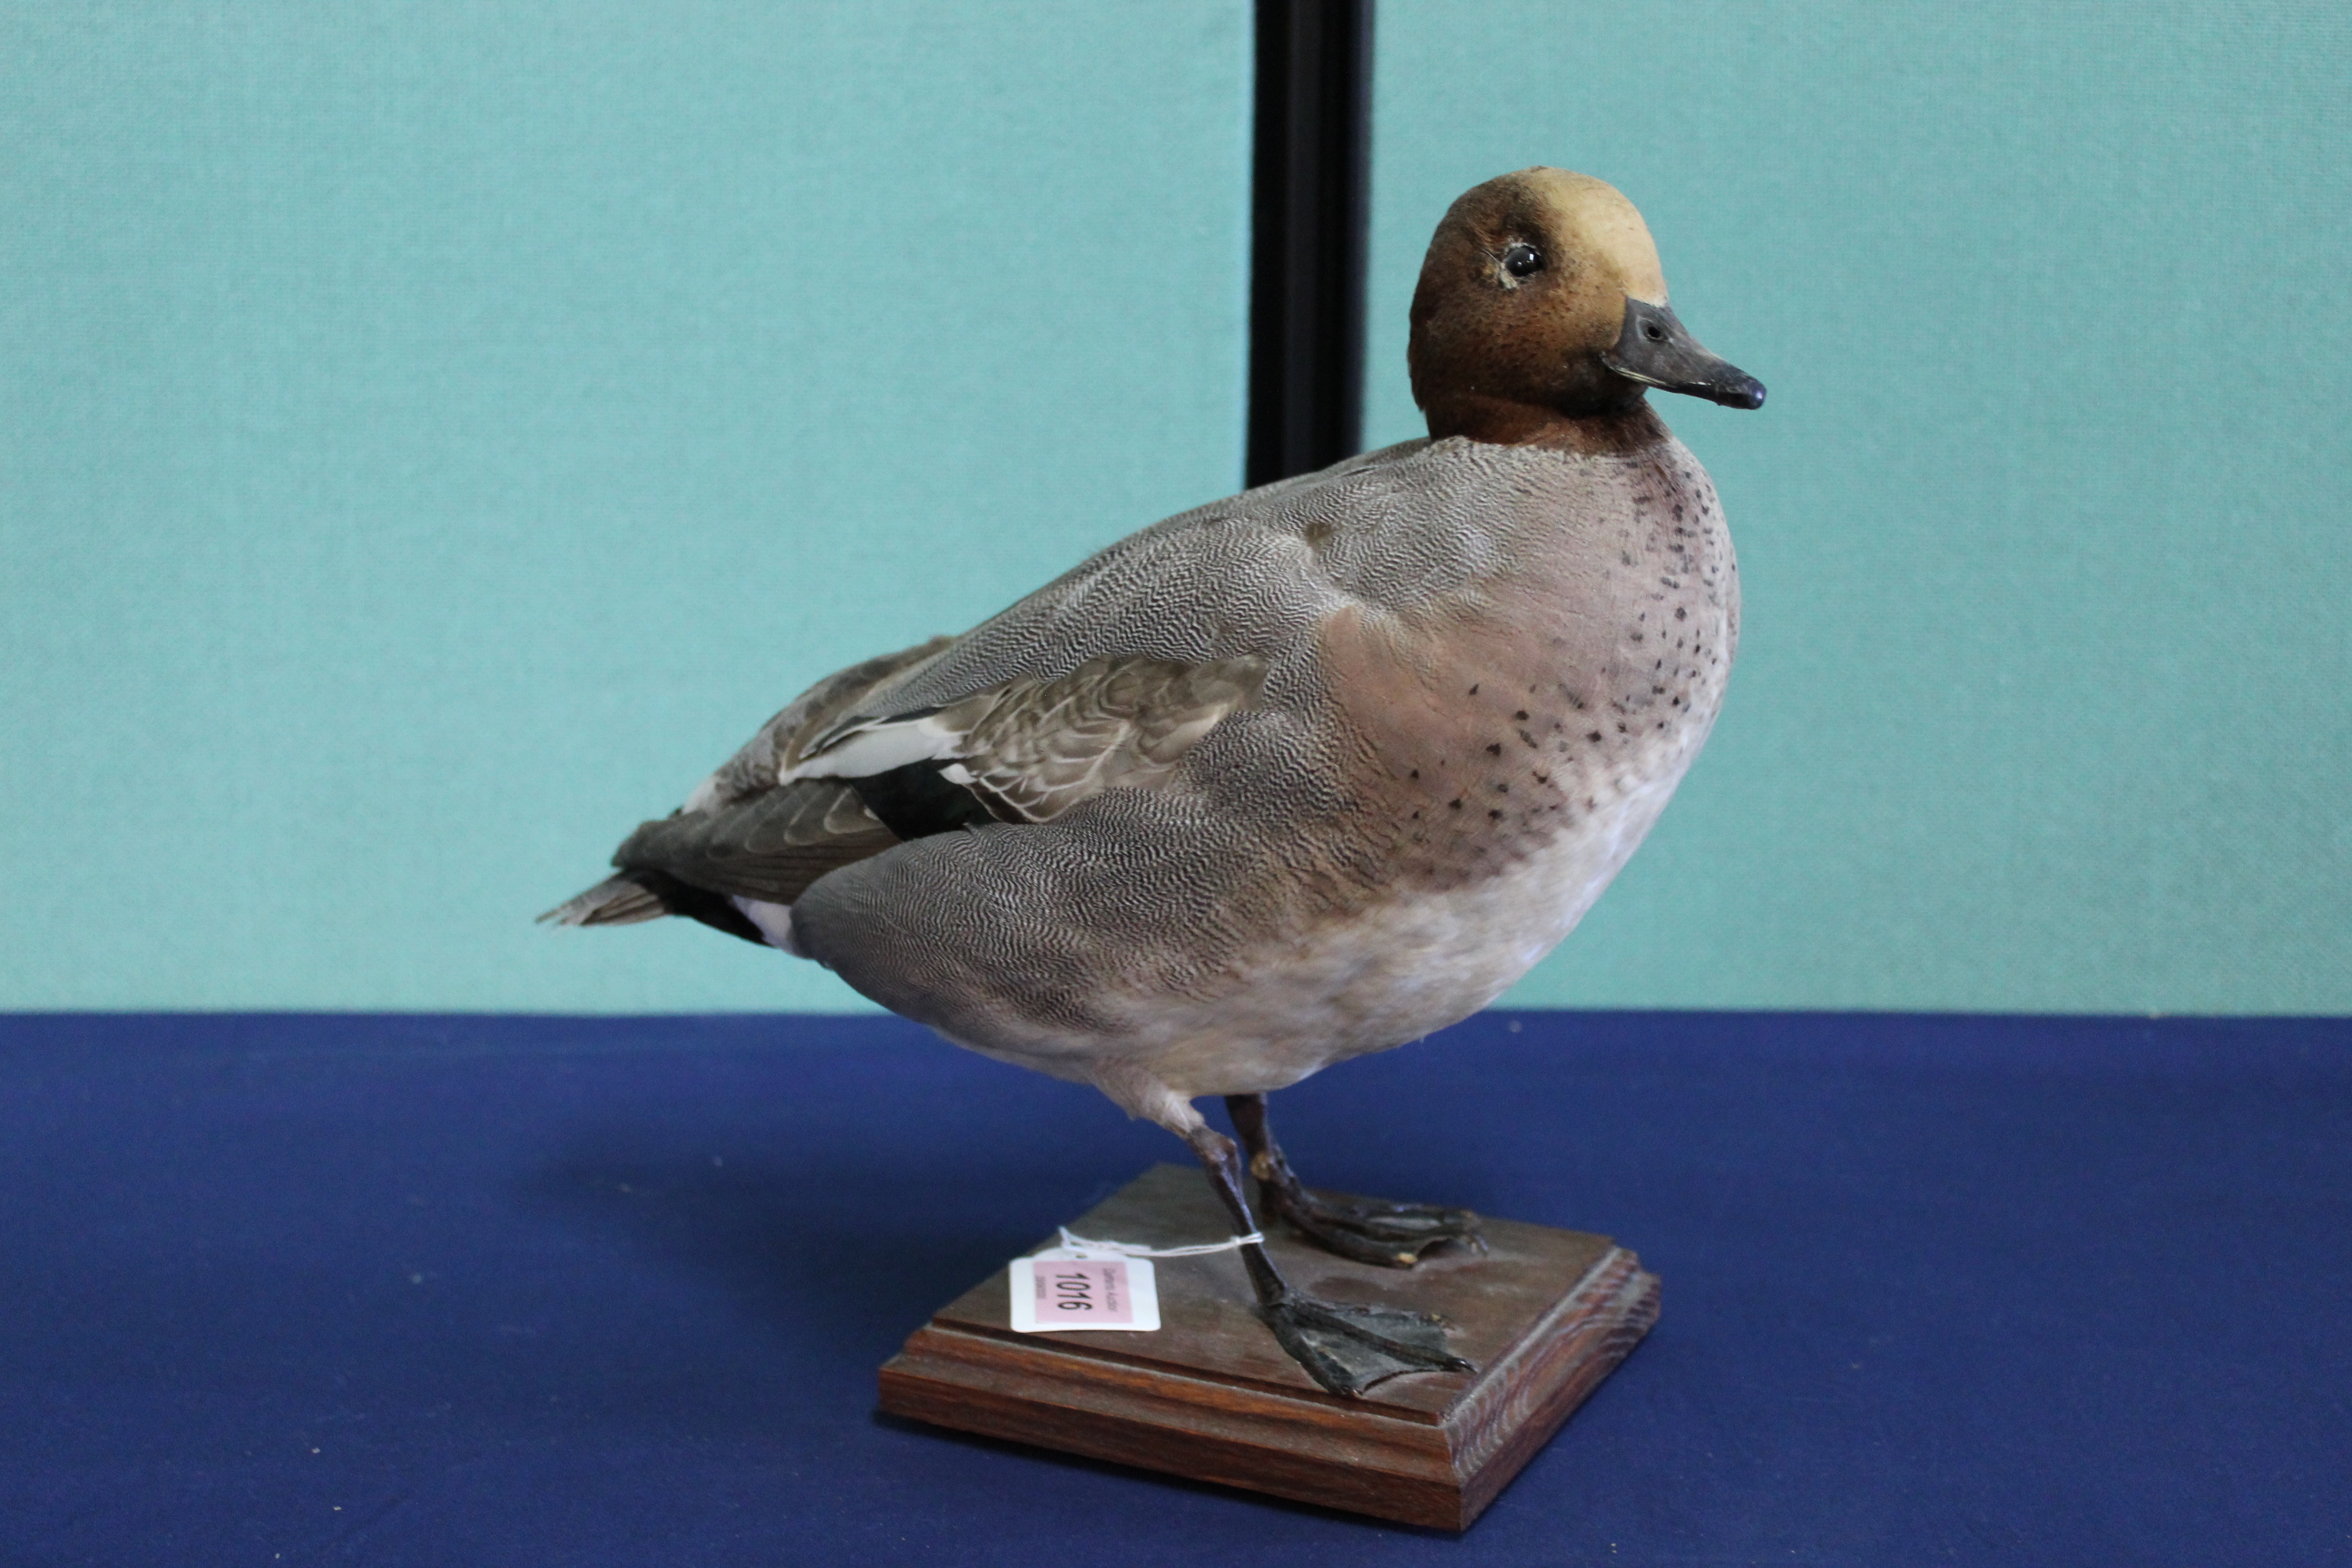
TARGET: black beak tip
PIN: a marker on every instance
(1745, 392)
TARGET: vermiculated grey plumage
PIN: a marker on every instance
(1176, 927)
(1400, 717)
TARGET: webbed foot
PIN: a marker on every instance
(1394, 1236)
(1348, 1348)
(1391, 1234)
(1344, 1346)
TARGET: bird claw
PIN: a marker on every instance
(1394, 1236)
(1348, 1348)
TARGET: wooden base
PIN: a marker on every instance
(1546, 1314)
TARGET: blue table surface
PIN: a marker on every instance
(517, 1290)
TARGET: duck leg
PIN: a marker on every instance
(1393, 1234)
(1345, 1347)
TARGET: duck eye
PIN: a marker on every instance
(1522, 260)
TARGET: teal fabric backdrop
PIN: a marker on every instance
(436, 434)
(431, 435)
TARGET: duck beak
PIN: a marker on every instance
(1656, 350)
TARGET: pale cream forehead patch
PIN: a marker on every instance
(1595, 216)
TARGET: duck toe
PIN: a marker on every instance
(1347, 1347)
(1394, 1236)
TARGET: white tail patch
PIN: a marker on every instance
(775, 920)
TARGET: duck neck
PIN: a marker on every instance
(1511, 424)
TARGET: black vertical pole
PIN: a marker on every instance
(1310, 205)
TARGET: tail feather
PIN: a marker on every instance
(615, 901)
(647, 895)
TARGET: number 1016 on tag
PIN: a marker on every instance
(1054, 1294)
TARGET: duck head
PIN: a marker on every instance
(1541, 300)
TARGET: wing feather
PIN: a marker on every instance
(770, 846)
(1033, 748)
(812, 790)
(766, 759)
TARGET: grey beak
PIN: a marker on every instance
(1656, 350)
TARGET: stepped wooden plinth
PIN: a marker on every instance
(1545, 1314)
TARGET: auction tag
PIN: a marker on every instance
(1052, 1293)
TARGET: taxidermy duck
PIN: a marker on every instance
(1299, 775)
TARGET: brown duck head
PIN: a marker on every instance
(1541, 303)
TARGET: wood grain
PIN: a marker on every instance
(1545, 1315)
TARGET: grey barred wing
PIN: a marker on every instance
(1029, 750)
(808, 796)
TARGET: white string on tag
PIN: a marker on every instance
(1089, 1284)
(1081, 1246)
